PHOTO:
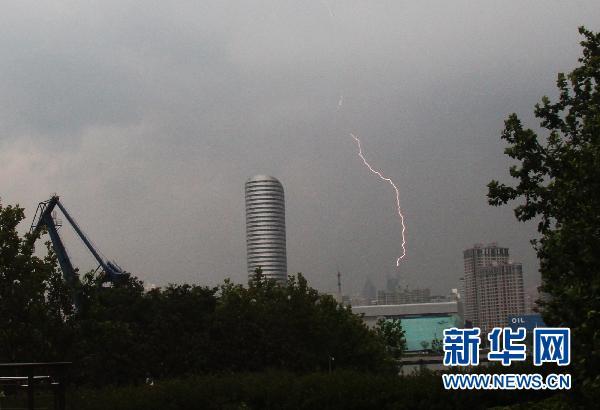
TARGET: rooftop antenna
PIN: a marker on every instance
(339, 283)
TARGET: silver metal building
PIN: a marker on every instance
(265, 227)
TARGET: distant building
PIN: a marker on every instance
(392, 283)
(440, 298)
(403, 296)
(493, 287)
(265, 227)
(359, 300)
(422, 322)
(531, 297)
(369, 293)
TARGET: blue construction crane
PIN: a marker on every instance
(44, 218)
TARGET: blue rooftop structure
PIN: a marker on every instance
(426, 328)
(422, 322)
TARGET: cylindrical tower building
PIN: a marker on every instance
(265, 227)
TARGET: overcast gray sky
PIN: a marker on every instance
(148, 116)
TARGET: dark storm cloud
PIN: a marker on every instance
(147, 118)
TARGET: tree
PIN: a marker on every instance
(34, 302)
(437, 346)
(393, 336)
(559, 183)
(122, 334)
(292, 327)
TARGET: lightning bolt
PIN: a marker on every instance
(384, 178)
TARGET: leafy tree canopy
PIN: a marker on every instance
(122, 333)
(34, 301)
(391, 332)
(558, 181)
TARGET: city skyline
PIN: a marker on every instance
(146, 119)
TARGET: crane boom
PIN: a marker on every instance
(112, 271)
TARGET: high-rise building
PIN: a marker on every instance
(493, 287)
(265, 227)
(392, 283)
(369, 292)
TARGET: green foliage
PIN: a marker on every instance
(123, 334)
(391, 332)
(342, 389)
(34, 302)
(437, 346)
(559, 183)
(294, 327)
